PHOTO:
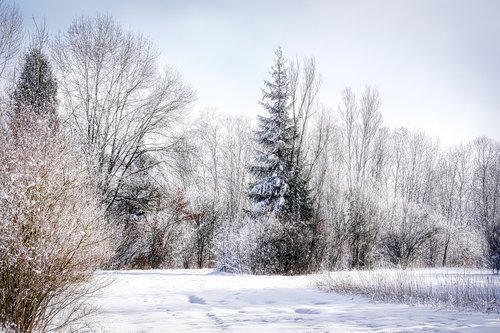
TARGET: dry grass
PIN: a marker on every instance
(454, 288)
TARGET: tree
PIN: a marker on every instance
(117, 99)
(279, 188)
(304, 88)
(280, 191)
(486, 194)
(453, 198)
(11, 34)
(36, 88)
(361, 122)
(275, 138)
(325, 158)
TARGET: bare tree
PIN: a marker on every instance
(486, 194)
(348, 110)
(415, 157)
(118, 101)
(304, 87)
(11, 34)
(411, 194)
(454, 197)
(370, 120)
(361, 121)
(219, 181)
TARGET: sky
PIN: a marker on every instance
(435, 63)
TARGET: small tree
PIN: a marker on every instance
(36, 88)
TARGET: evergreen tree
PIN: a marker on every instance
(280, 188)
(36, 88)
(274, 137)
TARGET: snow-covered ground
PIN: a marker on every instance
(201, 301)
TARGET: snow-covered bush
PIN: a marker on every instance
(51, 238)
(201, 217)
(412, 226)
(364, 219)
(335, 232)
(178, 234)
(193, 244)
(145, 242)
(263, 246)
(238, 241)
(467, 248)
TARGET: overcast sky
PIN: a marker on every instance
(436, 63)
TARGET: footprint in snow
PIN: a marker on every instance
(218, 322)
(196, 300)
(307, 311)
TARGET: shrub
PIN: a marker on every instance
(264, 246)
(52, 238)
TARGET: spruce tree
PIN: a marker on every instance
(36, 88)
(280, 191)
(274, 137)
(280, 188)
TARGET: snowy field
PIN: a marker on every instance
(201, 301)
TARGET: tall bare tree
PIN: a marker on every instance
(118, 100)
(361, 121)
(305, 83)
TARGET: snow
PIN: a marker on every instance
(202, 301)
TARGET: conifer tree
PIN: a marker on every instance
(279, 188)
(274, 137)
(36, 88)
